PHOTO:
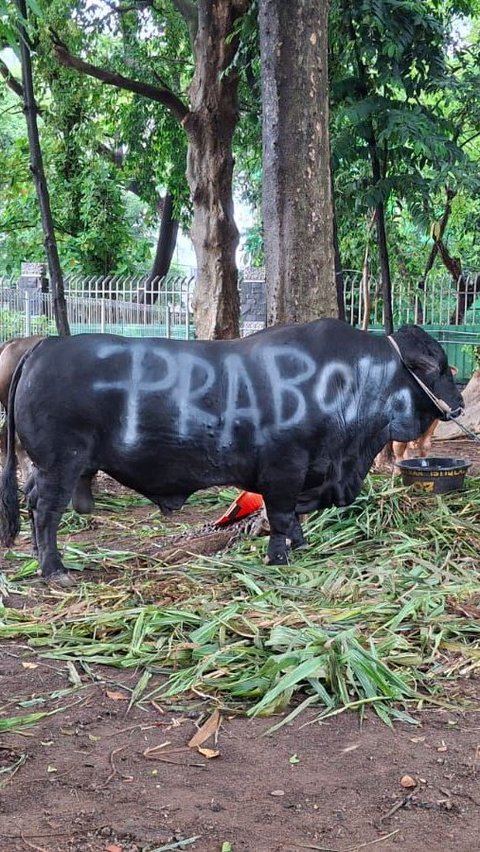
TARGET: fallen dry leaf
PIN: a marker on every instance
(277, 793)
(30, 665)
(112, 847)
(465, 609)
(207, 730)
(407, 781)
(208, 752)
(350, 748)
(155, 753)
(116, 696)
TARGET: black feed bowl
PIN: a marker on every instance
(435, 475)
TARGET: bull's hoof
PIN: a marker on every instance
(299, 545)
(60, 580)
(297, 540)
(276, 559)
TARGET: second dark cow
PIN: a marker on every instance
(11, 352)
(296, 413)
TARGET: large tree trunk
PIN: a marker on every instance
(36, 165)
(210, 125)
(297, 201)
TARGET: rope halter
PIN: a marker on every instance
(447, 412)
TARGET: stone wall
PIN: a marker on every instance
(253, 302)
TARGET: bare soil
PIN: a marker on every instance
(87, 782)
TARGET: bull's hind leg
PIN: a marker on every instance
(49, 495)
(30, 492)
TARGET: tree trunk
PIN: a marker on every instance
(382, 239)
(470, 418)
(210, 125)
(438, 231)
(36, 166)
(339, 280)
(384, 268)
(367, 296)
(167, 239)
(297, 199)
(467, 292)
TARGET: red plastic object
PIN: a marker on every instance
(245, 504)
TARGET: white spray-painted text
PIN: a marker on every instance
(277, 390)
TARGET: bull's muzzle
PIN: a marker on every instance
(453, 413)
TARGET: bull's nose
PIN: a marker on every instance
(456, 412)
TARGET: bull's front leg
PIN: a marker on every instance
(296, 536)
(281, 524)
(281, 488)
(285, 530)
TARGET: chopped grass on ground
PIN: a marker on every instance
(382, 609)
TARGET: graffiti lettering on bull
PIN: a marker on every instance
(278, 390)
(347, 392)
(241, 401)
(287, 369)
(134, 385)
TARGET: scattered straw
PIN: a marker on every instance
(379, 610)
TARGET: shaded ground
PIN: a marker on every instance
(88, 782)
(464, 448)
(87, 778)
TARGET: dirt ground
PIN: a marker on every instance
(96, 778)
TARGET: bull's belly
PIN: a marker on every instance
(335, 480)
(176, 475)
(329, 493)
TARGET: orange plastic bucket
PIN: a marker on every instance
(245, 504)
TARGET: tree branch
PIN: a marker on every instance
(137, 6)
(189, 13)
(163, 95)
(10, 80)
(22, 224)
(470, 139)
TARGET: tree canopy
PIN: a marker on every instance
(128, 114)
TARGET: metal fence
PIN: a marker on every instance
(442, 301)
(112, 305)
(120, 304)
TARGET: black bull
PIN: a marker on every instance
(296, 413)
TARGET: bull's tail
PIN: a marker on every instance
(9, 502)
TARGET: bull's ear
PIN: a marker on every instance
(424, 362)
(420, 351)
